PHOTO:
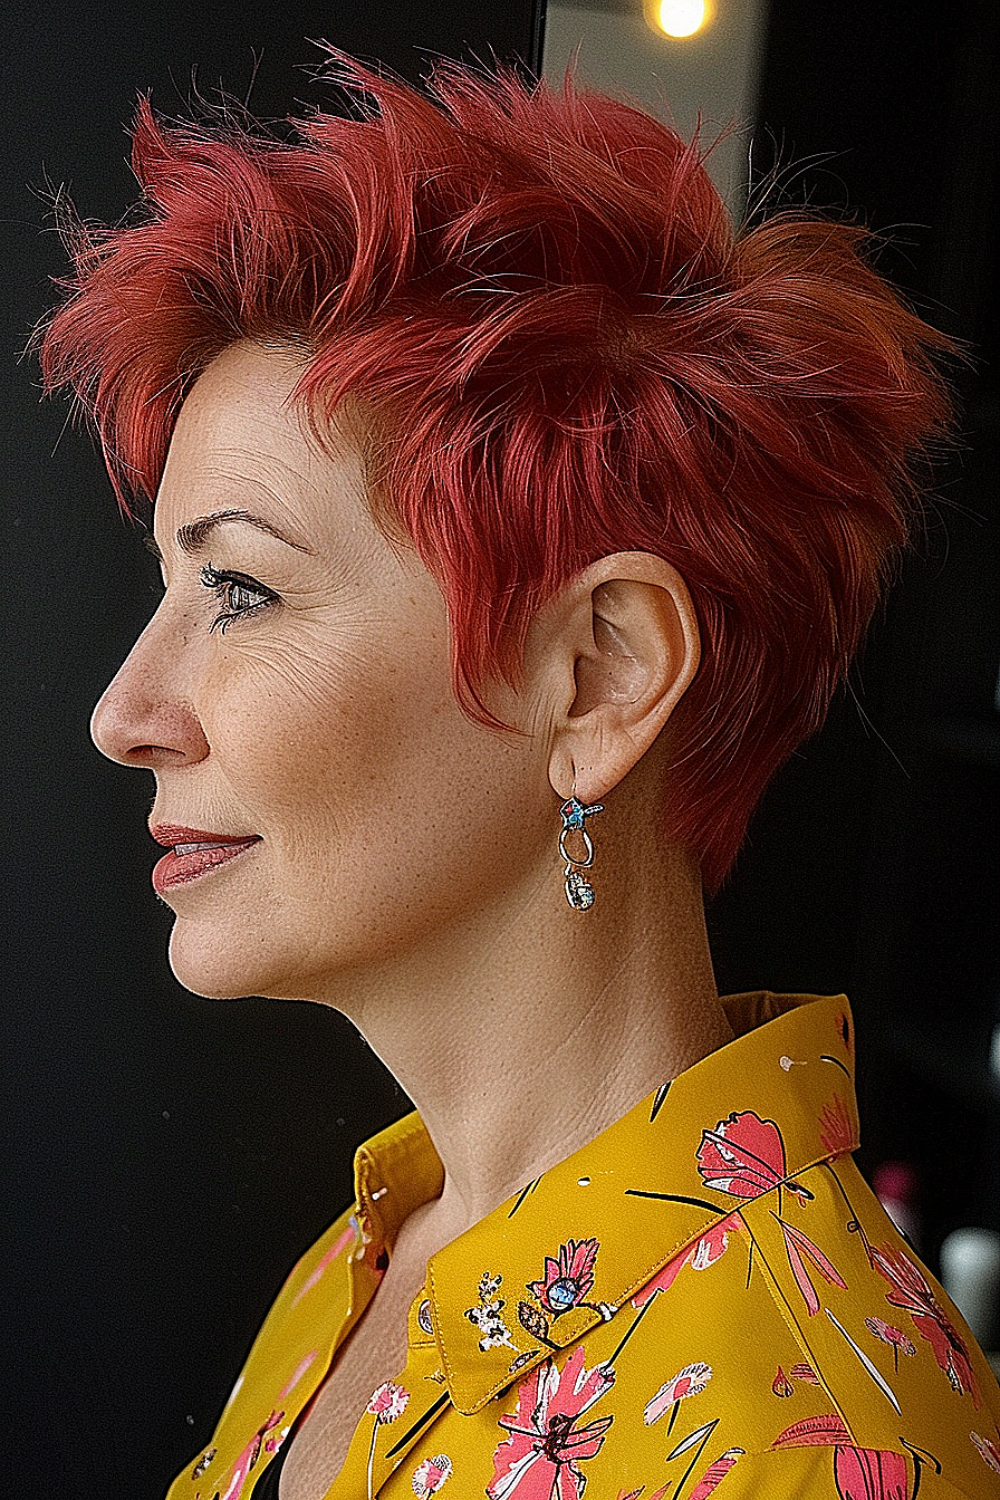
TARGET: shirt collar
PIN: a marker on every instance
(395, 1172)
(573, 1246)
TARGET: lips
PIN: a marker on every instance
(194, 853)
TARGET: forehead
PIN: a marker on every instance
(240, 437)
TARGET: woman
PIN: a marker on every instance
(517, 521)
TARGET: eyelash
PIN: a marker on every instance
(224, 585)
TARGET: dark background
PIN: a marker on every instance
(167, 1157)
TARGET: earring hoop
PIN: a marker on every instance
(574, 813)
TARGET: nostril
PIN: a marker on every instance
(154, 755)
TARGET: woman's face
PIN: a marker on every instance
(292, 696)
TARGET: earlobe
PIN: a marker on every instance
(633, 634)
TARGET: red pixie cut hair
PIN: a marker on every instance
(540, 298)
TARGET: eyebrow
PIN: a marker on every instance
(192, 536)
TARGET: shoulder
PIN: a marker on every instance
(288, 1357)
(797, 1348)
(309, 1271)
(838, 1473)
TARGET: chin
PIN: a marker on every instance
(229, 965)
(215, 971)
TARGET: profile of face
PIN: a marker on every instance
(292, 696)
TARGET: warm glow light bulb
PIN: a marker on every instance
(681, 18)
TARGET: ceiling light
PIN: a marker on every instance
(679, 19)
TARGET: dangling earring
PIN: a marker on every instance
(579, 891)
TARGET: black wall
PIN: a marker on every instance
(872, 864)
(167, 1157)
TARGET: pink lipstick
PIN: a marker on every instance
(192, 853)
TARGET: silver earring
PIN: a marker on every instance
(579, 891)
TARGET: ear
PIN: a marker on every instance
(622, 647)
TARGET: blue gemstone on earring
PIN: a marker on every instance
(572, 813)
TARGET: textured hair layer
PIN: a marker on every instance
(540, 298)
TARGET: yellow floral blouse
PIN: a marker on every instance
(706, 1299)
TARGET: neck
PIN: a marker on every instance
(535, 1027)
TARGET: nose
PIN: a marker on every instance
(144, 718)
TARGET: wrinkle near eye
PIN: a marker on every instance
(313, 672)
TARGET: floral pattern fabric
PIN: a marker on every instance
(707, 1300)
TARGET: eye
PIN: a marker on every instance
(239, 595)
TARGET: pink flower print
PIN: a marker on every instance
(297, 1374)
(894, 1337)
(388, 1401)
(541, 1458)
(801, 1249)
(712, 1245)
(250, 1456)
(910, 1290)
(663, 1280)
(744, 1155)
(782, 1385)
(703, 1253)
(836, 1129)
(715, 1474)
(691, 1381)
(568, 1279)
(869, 1474)
(347, 1237)
(813, 1432)
(988, 1451)
(429, 1476)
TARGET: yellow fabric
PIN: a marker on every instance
(706, 1299)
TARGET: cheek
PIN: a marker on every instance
(306, 726)
(359, 767)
